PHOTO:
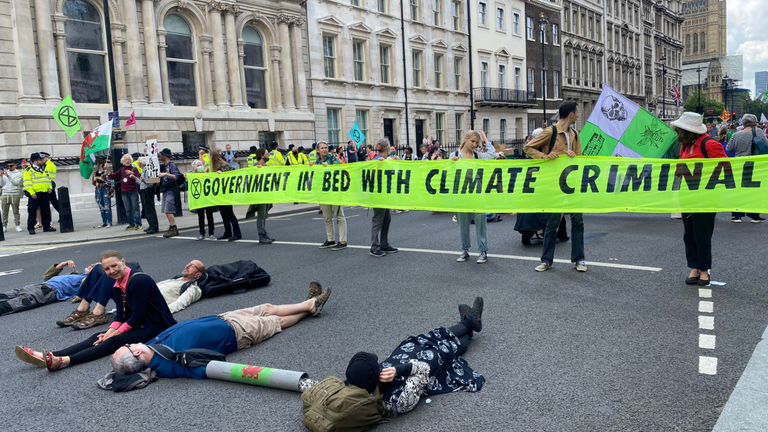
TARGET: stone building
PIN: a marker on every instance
(549, 96)
(357, 71)
(194, 72)
(663, 54)
(704, 36)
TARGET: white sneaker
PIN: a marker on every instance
(581, 266)
(543, 267)
(18, 228)
(157, 203)
(5, 230)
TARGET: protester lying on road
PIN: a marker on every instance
(225, 333)
(142, 314)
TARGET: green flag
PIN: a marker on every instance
(66, 116)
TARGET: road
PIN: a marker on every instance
(616, 348)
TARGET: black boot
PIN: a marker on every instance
(475, 314)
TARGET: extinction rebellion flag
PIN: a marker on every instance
(97, 140)
(619, 127)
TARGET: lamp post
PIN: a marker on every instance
(471, 82)
(699, 108)
(543, 27)
(405, 77)
(725, 91)
(663, 60)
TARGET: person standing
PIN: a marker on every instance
(251, 160)
(331, 212)
(50, 170)
(127, 176)
(381, 217)
(262, 160)
(217, 164)
(202, 154)
(551, 143)
(408, 154)
(469, 149)
(296, 155)
(742, 143)
(275, 156)
(37, 186)
(698, 228)
(169, 179)
(11, 182)
(351, 152)
(147, 194)
(104, 192)
(230, 157)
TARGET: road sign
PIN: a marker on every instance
(357, 135)
(65, 115)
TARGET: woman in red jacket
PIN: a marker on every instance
(697, 227)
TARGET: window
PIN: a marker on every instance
(555, 34)
(487, 126)
(484, 74)
(695, 43)
(354, 2)
(530, 80)
(499, 18)
(439, 125)
(502, 76)
(502, 131)
(517, 78)
(382, 4)
(516, 23)
(482, 10)
(437, 18)
(438, 59)
(459, 127)
(358, 58)
(191, 142)
(416, 58)
(415, 10)
(361, 117)
(255, 69)
(384, 60)
(567, 65)
(456, 15)
(457, 66)
(85, 52)
(531, 126)
(334, 127)
(688, 44)
(591, 28)
(703, 42)
(329, 56)
(529, 27)
(565, 20)
(181, 61)
(556, 84)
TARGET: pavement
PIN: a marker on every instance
(626, 346)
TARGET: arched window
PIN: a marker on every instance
(703, 42)
(85, 52)
(180, 56)
(695, 43)
(255, 69)
(687, 44)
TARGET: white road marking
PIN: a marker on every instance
(446, 252)
(10, 272)
(707, 365)
(38, 250)
(707, 341)
(706, 307)
(705, 293)
(706, 322)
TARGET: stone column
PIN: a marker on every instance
(241, 68)
(299, 78)
(235, 89)
(163, 63)
(49, 76)
(61, 55)
(276, 94)
(133, 46)
(150, 52)
(26, 61)
(219, 60)
(287, 65)
(205, 45)
(117, 45)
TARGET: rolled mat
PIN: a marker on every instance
(255, 375)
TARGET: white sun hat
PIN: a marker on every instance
(691, 122)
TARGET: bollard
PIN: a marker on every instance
(2, 235)
(66, 224)
(255, 375)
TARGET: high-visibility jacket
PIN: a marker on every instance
(297, 159)
(136, 165)
(252, 162)
(207, 162)
(313, 155)
(36, 181)
(276, 158)
(50, 170)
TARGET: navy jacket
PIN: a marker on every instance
(147, 312)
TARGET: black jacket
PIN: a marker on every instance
(146, 309)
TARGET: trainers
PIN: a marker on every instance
(377, 253)
(543, 267)
(18, 228)
(736, 220)
(754, 220)
(200, 237)
(102, 226)
(38, 226)
(320, 302)
(235, 238)
(109, 225)
(315, 289)
(328, 244)
(129, 228)
(73, 318)
(389, 250)
(339, 246)
(581, 266)
(265, 240)
(90, 321)
(483, 258)
(212, 237)
(464, 256)
(27, 356)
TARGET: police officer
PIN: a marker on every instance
(295, 156)
(37, 186)
(252, 161)
(203, 153)
(135, 164)
(50, 170)
(275, 157)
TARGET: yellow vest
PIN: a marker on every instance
(206, 161)
(50, 169)
(251, 161)
(275, 158)
(297, 159)
(136, 165)
(36, 181)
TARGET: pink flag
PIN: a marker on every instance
(131, 120)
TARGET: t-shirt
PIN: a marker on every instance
(209, 332)
(65, 285)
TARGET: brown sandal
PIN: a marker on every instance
(90, 321)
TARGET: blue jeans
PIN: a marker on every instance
(481, 226)
(550, 237)
(105, 205)
(97, 287)
(131, 203)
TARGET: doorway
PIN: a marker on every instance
(419, 135)
(266, 138)
(389, 129)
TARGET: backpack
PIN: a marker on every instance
(192, 358)
(553, 138)
(758, 145)
(331, 405)
(234, 277)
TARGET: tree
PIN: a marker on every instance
(692, 103)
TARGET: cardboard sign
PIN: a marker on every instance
(153, 164)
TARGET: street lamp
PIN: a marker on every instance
(663, 60)
(700, 109)
(725, 91)
(543, 27)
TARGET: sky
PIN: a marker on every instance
(747, 22)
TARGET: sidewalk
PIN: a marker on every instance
(86, 221)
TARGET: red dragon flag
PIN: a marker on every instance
(97, 140)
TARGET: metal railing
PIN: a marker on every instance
(504, 96)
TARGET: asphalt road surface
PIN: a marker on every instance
(616, 348)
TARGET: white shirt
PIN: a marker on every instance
(171, 291)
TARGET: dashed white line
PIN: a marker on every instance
(10, 272)
(706, 306)
(707, 365)
(706, 322)
(705, 293)
(707, 341)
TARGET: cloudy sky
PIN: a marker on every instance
(747, 23)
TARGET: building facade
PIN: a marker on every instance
(704, 37)
(194, 72)
(544, 75)
(663, 55)
(357, 73)
(761, 83)
(500, 90)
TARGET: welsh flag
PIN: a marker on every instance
(97, 140)
(620, 127)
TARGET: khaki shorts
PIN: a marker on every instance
(252, 325)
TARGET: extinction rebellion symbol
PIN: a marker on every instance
(196, 192)
(67, 116)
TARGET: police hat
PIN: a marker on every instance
(136, 155)
(253, 149)
(273, 145)
(301, 149)
(35, 156)
(204, 148)
(291, 146)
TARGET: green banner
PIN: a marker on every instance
(563, 185)
(66, 116)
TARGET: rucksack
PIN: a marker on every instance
(553, 138)
(758, 145)
(234, 277)
(192, 358)
(331, 405)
